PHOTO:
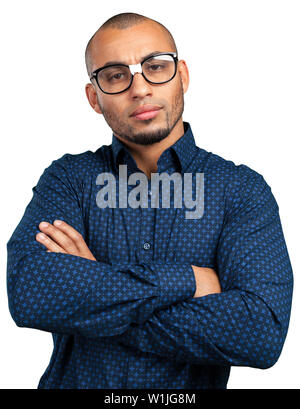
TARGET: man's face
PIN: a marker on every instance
(130, 46)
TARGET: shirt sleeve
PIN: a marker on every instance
(68, 294)
(246, 324)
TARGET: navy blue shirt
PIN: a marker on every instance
(129, 319)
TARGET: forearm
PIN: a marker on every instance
(68, 294)
(231, 328)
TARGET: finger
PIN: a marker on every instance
(83, 250)
(75, 236)
(58, 236)
(48, 243)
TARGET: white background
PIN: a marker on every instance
(243, 104)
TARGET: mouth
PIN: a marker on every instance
(146, 112)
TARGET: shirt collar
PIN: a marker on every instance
(185, 148)
(117, 147)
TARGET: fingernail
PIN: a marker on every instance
(57, 222)
(41, 236)
(44, 224)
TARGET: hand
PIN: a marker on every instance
(207, 281)
(63, 238)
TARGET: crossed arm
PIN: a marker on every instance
(63, 238)
(174, 310)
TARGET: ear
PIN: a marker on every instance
(92, 97)
(184, 74)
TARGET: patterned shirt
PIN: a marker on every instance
(129, 319)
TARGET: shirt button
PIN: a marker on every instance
(150, 193)
(146, 246)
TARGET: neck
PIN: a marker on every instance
(146, 156)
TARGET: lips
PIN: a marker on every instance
(146, 108)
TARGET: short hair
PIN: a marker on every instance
(122, 21)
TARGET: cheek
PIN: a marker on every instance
(111, 104)
(99, 101)
(165, 94)
(174, 93)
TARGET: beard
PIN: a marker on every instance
(129, 133)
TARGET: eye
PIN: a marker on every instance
(155, 67)
(116, 76)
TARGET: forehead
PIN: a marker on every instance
(129, 45)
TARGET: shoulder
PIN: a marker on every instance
(230, 173)
(81, 164)
(242, 186)
(77, 170)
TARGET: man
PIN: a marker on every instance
(148, 296)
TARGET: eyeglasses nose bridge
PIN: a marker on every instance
(135, 68)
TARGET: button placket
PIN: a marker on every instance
(147, 230)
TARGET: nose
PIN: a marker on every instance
(140, 88)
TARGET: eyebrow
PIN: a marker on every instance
(122, 62)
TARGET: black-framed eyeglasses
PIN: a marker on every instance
(116, 78)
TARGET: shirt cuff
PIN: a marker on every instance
(176, 283)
